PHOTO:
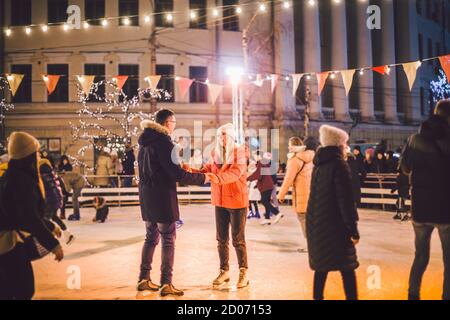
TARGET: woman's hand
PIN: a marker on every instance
(57, 232)
(58, 252)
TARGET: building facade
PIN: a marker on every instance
(201, 38)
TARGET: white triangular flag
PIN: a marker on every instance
(214, 91)
(411, 72)
(296, 82)
(347, 77)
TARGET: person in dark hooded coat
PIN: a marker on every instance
(331, 218)
(426, 159)
(159, 172)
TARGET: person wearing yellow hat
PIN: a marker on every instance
(21, 214)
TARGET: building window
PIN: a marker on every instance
(23, 93)
(167, 80)
(420, 46)
(429, 5)
(21, 12)
(162, 8)
(198, 91)
(230, 17)
(97, 70)
(199, 7)
(57, 11)
(419, 6)
(130, 9)
(61, 93)
(132, 85)
(94, 11)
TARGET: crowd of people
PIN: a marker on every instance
(324, 176)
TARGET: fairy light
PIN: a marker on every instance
(286, 5)
(147, 19)
(65, 26)
(44, 28)
(193, 15)
(333, 76)
(308, 77)
(215, 12)
(238, 10)
(262, 7)
(287, 78)
(45, 78)
(86, 25)
(361, 72)
(312, 3)
(104, 22)
(126, 21)
(10, 77)
(8, 32)
(28, 30)
(169, 17)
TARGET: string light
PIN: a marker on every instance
(10, 77)
(104, 22)
(66, 27)
(169, 17)
(193, 15)
(312, 3)
(361, 72)
(126, 21)
(238, 10)
(45, 78)
(8, 32)
(308, 77)
(28, 30)
(44, 28)
(262, 7)
(147, 19)
(215, 12)
(333, 75)
(286, 5)
(86, 25)
(287, 78)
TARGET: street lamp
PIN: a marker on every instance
(235, 74)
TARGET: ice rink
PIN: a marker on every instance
(103, 262)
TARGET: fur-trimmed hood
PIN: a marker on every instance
(152, 132)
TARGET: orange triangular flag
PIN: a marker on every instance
(445, 63)
(214, 91)
(14, 81)
(51, 81)
(321, 80)
(183, 85)
(153, 81)
(382, 70)
(120, 81)
(86, 83)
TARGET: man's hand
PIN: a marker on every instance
(58, 252)
(57, 232)
(212, 177)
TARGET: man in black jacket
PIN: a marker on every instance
(426, 159)
(159, 172)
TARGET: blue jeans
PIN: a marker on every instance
(423, 233)
(155, 231)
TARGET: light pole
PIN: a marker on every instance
(235, 74)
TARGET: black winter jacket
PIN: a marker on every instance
(331, 219)
(22, 207)
(159, 174)
(426, 159)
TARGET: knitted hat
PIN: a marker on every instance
(332, 136)
(228, 129)
(21, 145)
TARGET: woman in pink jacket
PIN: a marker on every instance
(298, 175)
(229, 194)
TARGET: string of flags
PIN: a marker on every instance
(86, 81)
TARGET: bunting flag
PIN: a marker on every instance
(153, 81)
(445, 63)
(14, 81)
(120, 81)
(183, 85)
(259, 81)
(321, 80)
(86, 83)
(411, 72)
(273, 81)
(51, 81)
(296, 82)
(214, 91)
(347, 77)
(382, 70)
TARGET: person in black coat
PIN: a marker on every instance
(128, 166)
(355, 169)
(426, 159)
(159, 172)
(22, 210)
(331, 218)
(402, 186)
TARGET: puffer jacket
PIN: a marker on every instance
(298, 175)
(104, 168)
(53, 191)
(331, 219)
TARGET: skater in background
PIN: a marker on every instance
(298, 176)
(265, 186)
(74, 184)
(128, 166)
(101, 210)
(64, 164)
(402, 186)
(331, 218)
(253, 194)
(355, 169)
(53, 198)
